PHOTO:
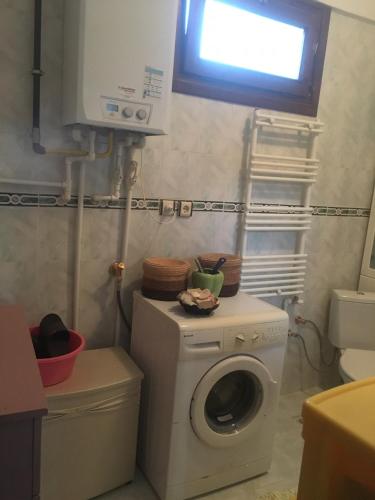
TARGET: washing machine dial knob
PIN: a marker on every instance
(240, 338)
(127, 112)
(141, 114)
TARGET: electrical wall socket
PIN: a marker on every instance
(185, 209)
(167, 208)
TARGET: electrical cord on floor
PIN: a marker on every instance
(122, 310)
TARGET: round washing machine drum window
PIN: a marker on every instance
(231, 400)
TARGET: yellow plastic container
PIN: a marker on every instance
(339, 453)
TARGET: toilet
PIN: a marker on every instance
(352, 330)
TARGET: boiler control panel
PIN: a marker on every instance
(126, 111)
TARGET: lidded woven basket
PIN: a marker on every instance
(231, 270)
(164, 278)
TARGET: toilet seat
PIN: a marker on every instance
(356, 364)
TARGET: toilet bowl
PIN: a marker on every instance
(356, 364)
(352, 330)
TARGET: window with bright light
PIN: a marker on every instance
(267, 53)
(238, 37)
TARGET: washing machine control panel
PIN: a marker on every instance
(239, 338)
(249, 337)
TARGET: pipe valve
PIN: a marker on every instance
(117, 269)
(299, 320)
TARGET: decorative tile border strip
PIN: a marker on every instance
(47, 200)
(341, 211)
(50, 200)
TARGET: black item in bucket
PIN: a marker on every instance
(53, 338)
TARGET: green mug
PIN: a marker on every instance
(213, 282)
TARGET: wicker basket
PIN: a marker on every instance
(231, 270)
(164, 279)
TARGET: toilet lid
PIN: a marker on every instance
(358, 363)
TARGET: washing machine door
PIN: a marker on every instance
(231, 400)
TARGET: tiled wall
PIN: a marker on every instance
(202, 159)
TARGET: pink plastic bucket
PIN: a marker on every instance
(55, 370)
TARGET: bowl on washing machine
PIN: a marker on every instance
(196, 311)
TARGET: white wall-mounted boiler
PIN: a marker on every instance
(118, 63)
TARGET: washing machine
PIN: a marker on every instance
(210, 392)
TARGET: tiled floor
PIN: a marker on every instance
(284, 470)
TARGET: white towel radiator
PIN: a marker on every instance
(278, 274)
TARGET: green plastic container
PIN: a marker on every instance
(213, 282)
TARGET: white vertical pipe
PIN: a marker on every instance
(249, 186)
(116, 182)
(127, 221)
(78, 246)
(67, 193)
(79, 225)
(306, 201)
(133, 174)
(131, 179)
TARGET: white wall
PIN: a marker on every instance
(201, 159)
(362, 8)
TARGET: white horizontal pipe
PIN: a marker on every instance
(282, 179)
(260, 295)
(285, 158)
(275, 228)
(268, 171)
(274, 262)
(32, 183)
(278, 208)
(275, 282)
(283, 165)
(272, 269)
(276, 288)
(278, 218)
(289, 127)
(315, 123)
(285, 256)
(246, 277)
(104, 197)
(279, 215)
(274, 223)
